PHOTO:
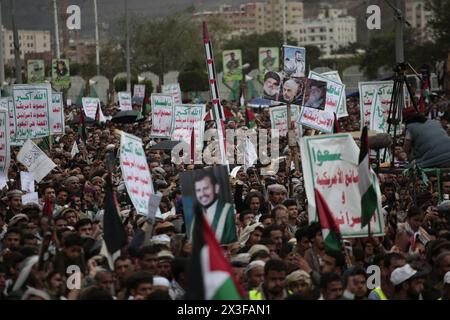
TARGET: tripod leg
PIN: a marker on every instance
(392, 111)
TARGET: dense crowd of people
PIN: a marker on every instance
(279, 254)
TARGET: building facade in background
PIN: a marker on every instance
(418, 16)
(30, 42)
(256, 17)
(333, 29)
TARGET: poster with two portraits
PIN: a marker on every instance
(287, 86)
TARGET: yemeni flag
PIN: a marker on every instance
(114, 233)
(366, 187)
(330, 228)
(249, 118)
(210, 276)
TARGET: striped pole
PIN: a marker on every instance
(217, 109)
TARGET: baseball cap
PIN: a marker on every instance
(404, 273)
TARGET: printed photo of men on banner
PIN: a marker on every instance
(209, 190)
(294, 61)
(269, 60)
(232, 65)
(315, 94)
(287, 90)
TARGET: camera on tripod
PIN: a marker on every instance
(400, 67)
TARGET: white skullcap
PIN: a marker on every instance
(161, 281)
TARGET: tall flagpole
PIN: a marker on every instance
(218, 113)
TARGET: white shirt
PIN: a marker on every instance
(210, 212)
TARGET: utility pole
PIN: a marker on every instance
(55, 12)
(97, 46)
(399, 51)
(284, 22)
(2, 59)
(16, 44)
(127, 37)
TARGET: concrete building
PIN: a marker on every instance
(417, 15)
(30, 41)
(329, 32)
(257, 17)
(80, 50)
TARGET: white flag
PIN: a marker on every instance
(250, 154)
(74, 149)
(35, 160)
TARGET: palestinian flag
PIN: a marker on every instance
(193, 146)
(114, 232)
(47, 211)
(146, 105)
(97, 115)
(249, 118)
(425, 94)
(366, 188)
(330, 228)
(209, 116)
(210, 276)
(336, 128)
(82, 126)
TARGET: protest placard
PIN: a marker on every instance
(90, 106)
(294, 61)
(35, 71)
(342, 109)
(186, 118)
(162, 115)
(278, 118)
(135, 171)
(31, 110)
(56, 114)
(31, 197)
(60, 73)
(323, 120)
(5, 153)
(366, 96)
(26, 181)
(269, 60)
(173, 89)
(232, 65)
(125, 101)
(139, 91)
(330, 165)
(8, 104)
(35, 160)
(218, 205)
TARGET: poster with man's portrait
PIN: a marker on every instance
(315, 94)
(60, 73)
(272, 86)
(268, 61)
(232, 65)
(208, 190)
(294, 61)
(35, 71)
(292, 91)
